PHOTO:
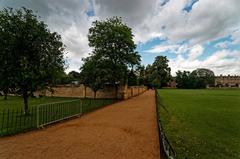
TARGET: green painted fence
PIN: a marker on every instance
(13, 121)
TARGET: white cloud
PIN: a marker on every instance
(202, 24)
(223, 45)
(150, 20)
(68, 18)
(163, 48)
(133, 11)
(220, 62)
(236, 36)
(195, 52)
(208, 20)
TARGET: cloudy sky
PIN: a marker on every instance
(191, 33)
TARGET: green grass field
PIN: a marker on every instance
(17, 102)
(202, 124)
(13, 120)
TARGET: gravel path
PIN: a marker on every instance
(126, 129)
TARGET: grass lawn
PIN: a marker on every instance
(13, 120)
(17, 102)
(202, 124)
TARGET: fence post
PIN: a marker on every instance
(81, 107)
(38, 116)
(3, 118)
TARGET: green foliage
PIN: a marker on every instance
(31, 55)
(113, 54)
(159, 73)
(132, 78)
(182, 79)
(141, 75)
(200, 78)
(94, 73)
(202, 124)
(63, 78)
(206, 75)
(73, 75)
(113, 44)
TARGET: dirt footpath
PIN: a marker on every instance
(126, 129)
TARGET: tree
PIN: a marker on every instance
(148, 76)
(141, 75)
(93, 73)
(112, 42)
(63, 78)
(182, 79)
(206, 76)
(74, 75)
(159, 72)
(198, 78)
(5, 81)
(132, 78)
(31, 53)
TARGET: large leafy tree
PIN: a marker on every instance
(183, 79)
(6, 77)
(94, 73)
(112, 42)
(206, 76)
(31, 55)
(159, 73)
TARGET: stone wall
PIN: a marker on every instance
(124, 92)
(134, 91)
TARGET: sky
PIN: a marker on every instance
(191, 33)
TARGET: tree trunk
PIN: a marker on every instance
(5, 96)
(25, 100)
(95, 93)
(5, 92)
(116, 91)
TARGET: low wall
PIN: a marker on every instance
(132, 91)
(124, 92)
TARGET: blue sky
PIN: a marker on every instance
(151, 49)
(191, 33)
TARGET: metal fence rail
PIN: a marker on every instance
(13, 121)
(166, 150)
(54, 112)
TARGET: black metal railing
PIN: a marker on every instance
(166, 150)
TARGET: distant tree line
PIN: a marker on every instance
(199, 78)
(67, 78)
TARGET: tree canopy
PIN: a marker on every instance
(113, 51)
(159, 73)
(31, 55)
(199, 78)
(94, 73)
